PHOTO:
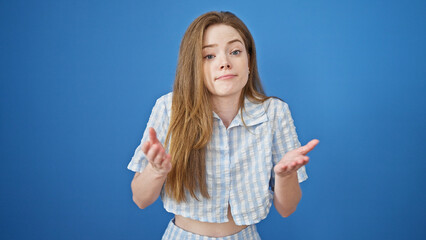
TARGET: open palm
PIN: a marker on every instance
(294, 159)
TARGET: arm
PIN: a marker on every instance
(146, 186)
(287, 192)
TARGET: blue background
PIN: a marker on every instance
(79, 80)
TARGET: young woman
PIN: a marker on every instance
(217, 149)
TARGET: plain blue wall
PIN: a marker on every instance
(79, 79)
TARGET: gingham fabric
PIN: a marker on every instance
(239, 161)
(174, 232)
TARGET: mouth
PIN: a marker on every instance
(227, 76)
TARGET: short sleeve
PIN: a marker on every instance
(284, 139)
(158, 120)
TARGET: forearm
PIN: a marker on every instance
(287, 194)
(146, 187)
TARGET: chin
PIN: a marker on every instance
(227, 93)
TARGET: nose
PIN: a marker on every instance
(225, 66)
(225, 63)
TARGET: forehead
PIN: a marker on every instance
(220, 34)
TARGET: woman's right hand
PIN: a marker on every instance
(158, 158)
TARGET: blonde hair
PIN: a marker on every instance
(191, 122)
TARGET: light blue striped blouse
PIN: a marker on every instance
(239, 161)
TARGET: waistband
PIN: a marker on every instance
(174, 232)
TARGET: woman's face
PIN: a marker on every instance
(225, 61)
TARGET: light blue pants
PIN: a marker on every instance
(174, 232)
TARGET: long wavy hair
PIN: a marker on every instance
(191, 123)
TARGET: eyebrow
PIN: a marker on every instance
(214, 45)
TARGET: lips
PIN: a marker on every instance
(227, 76)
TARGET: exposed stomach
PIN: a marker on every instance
(207, 228)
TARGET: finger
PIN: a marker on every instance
(308, 147)
(166, 161)
(303, 160)
(292, 166)
(284, 168)
(159, 157)
(301, 163)
(152, 153)
(297, 163)
(153, 135)
(145, 147)
(280, 169)
(167, 165)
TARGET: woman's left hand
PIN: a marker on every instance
(294, 159)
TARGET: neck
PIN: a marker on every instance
(226, 108)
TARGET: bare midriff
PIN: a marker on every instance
(207, 228)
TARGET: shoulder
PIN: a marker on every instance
(165, 99)
(275, 107)
(272, 109)
(163, 104)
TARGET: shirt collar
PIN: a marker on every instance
(253, 113)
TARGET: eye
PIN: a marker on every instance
(209, 56)
(236, 52)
